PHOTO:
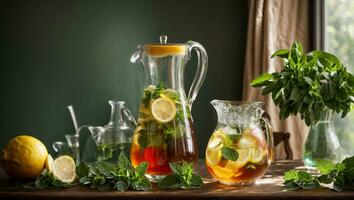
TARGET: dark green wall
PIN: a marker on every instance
(53, 54)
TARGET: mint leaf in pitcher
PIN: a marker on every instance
(229, 153)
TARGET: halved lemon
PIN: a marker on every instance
(49, 162)
(64, 169)
(163, 110)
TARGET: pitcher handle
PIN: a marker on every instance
(201, 69)
(270, 138)
(130, 116)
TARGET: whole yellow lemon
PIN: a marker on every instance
(24, 157)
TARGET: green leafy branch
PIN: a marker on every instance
(341, 175)
(308, 82)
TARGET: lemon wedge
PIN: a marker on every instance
(49, 162)
(64, 169)
(163, 110)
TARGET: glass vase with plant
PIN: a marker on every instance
(314, 85)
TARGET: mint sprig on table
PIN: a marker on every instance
(309, 82)
(183, 177)
(106, 176)
(341, 175)
(47, 181)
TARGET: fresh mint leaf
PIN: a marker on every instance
(348, 162)
(325, 166)
(304, 176)
(183, 177)
(121, 186)
(123, 162)
(169, 182)
(282, 53)
(176, 168)
(291, 175)
(291, 185)
(141, 169)
(229, 153)
(196, 181)
(47, 181)
(310, 185)
(326, 179)
(142, 185)
(261, 80)
(86, 180)
(104, 167)
(82, 170)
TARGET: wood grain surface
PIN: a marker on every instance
(269, 187)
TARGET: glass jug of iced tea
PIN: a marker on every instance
(241, 147)
(165, 130)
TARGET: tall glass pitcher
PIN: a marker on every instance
(165, 130)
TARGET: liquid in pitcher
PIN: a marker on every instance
(253, 155)
(164, 132)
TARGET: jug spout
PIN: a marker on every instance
(121, 115)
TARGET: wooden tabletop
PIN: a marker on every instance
(269, 187)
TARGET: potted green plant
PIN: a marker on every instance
(315, 85)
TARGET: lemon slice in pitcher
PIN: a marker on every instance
(244, 156)
(64, 169)
(213, 156)
(257, 155)
(163, 110)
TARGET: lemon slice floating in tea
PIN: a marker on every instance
(247, 141)
(64, 169)
(244, 156)
(213, 156)
(163, 110)
(226, 171)
(257, 155)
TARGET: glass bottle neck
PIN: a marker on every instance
(326, 116)
(116, 112)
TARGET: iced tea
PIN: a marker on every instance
(164, 133)
(252, 150)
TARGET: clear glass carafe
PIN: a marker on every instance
(322, 141)
(165, 131)
(241, 148)
(116, 136)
